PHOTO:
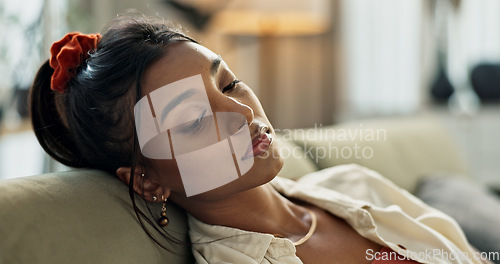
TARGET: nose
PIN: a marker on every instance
(231, 105)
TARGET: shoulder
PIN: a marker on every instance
(353, 180)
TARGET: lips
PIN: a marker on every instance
(260, 143)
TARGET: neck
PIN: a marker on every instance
(261, 209)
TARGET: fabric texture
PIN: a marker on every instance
(473, 206)
(368, 202)
(67, 54)
(81, 217)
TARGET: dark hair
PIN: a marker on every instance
(90, 124)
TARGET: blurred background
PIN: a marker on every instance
(311, 62)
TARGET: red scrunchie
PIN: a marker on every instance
(67, 54)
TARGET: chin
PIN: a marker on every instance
(265, 168)
(267, 165)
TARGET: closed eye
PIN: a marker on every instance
(197, 123)
(194, 126)
(230, 86)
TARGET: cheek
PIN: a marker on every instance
(167, 173)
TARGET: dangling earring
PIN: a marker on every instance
(163, 221)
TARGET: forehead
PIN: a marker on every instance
(183, 59)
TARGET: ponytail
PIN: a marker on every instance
(47, 117)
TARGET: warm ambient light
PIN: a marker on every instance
(273, 17)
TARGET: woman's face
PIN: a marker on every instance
(216, 138)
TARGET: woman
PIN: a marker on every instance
(84, 102)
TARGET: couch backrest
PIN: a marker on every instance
(401, 149)
(81, 216)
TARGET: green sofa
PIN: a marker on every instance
(85, 216)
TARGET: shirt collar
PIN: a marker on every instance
(239, 240)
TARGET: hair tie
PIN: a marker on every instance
(67, 54)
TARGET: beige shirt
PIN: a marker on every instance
(375, 207)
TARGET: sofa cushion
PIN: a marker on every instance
(473, 206)
(81, 216)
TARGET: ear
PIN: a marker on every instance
(145, 186)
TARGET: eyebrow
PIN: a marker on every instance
(175, 102)
(215, 65)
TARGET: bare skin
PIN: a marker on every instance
(335, 242)
(249, 203)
